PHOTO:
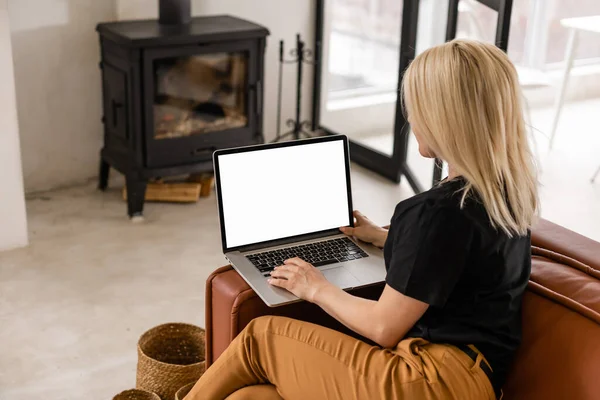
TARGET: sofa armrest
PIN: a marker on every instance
(561, 240)
(231, 304)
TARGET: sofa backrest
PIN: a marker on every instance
(560, 354)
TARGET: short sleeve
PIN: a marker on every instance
(429, 253)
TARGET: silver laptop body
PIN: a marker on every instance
(284, 199)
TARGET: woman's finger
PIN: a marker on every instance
(294, 261)
(282, 273)
(282, 283)
(360, 219)
(293, 268)
(347, 230)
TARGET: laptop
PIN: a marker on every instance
(283, 200)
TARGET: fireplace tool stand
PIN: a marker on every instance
(300, 56)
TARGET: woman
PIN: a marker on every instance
(457, 258)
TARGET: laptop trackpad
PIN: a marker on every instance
(340, 277)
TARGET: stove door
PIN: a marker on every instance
(199, 99)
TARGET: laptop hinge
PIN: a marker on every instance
(295, 239)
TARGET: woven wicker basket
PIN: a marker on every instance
(136, 394)
(181, 393)
(170, 356)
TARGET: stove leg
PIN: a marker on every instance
(103, 175)
(136, 191)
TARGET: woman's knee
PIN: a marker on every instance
(263, 392)
(266, 323)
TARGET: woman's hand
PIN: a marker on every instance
(366, 230)
(300, 278)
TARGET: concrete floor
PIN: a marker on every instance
(73, 303)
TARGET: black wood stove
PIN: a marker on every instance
(175, 90)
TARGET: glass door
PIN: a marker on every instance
(364, 46)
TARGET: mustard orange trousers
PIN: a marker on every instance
(282, 358)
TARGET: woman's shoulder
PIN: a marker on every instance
(445, 199)
(443, 208)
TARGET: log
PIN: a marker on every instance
(206, 180)
(180, 192)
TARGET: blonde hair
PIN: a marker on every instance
(464, 97)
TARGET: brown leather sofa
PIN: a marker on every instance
(560, 355)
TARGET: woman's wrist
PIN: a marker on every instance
(321, 292)
(381, 238)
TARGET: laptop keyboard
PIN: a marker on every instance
(318, 254)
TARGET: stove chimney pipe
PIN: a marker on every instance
(174, 12)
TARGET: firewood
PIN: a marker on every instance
(180, 192)
(206, 180)
(207, 185)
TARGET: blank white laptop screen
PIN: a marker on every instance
(277, 193)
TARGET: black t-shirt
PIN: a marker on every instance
(472, 275)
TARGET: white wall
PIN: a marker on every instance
(284, 18)
(56, 55)
(13, 224)
(137, 9)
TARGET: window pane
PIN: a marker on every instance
(519, 23)
(364, 42)
(477, 21)
(527, 45)
(589, 43)
(421, 167)
(362, 71)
